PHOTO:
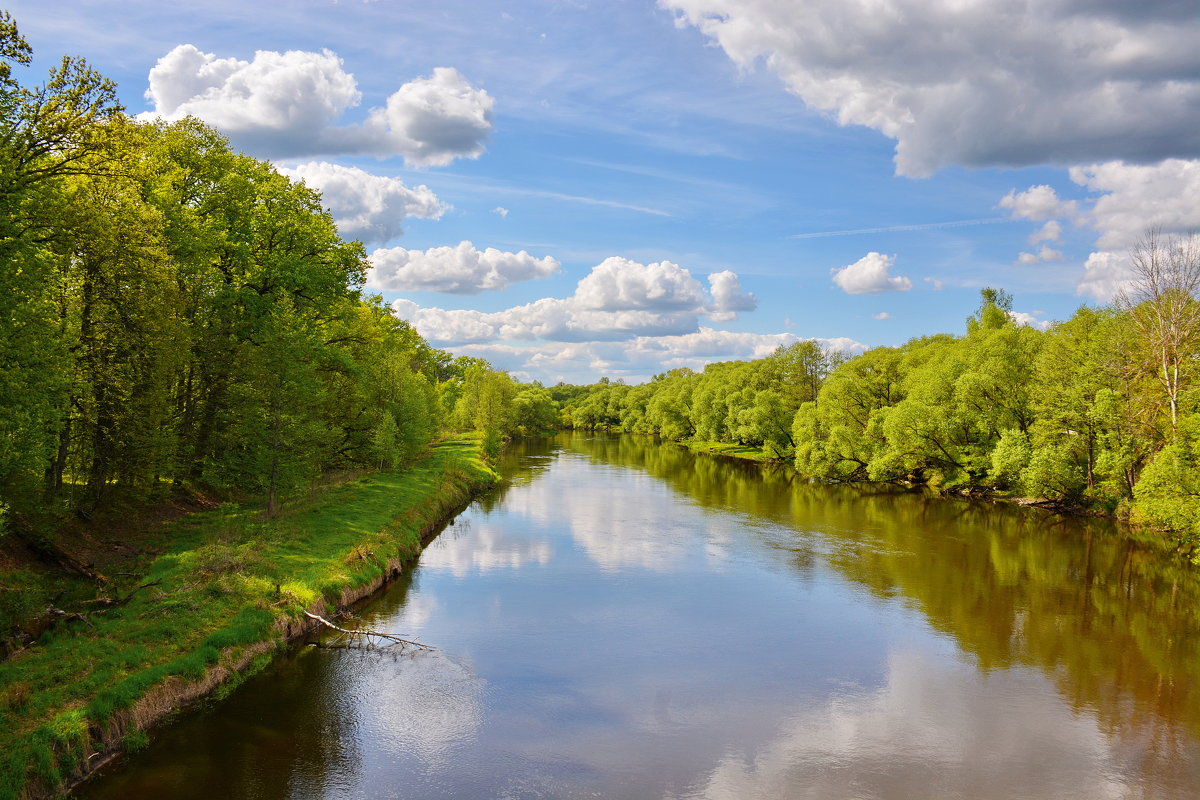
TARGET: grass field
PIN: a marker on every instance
(229, 589)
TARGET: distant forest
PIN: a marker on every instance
(1099, 411)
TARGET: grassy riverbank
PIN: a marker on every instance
(742, 451)
(228, 591)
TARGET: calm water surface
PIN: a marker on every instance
(626, 620)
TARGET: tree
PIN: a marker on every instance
(1161, 302)
(47, 133)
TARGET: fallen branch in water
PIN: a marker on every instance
(369, 635)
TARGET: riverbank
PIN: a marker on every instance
(228, 592)
(742, 451)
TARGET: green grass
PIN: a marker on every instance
(227, 580)
(741, 451)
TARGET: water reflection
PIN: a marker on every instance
(470, 545)
(626, 620)
(1115, 623)
(422, 708)
(932, 731)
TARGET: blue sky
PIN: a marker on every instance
(648, 185)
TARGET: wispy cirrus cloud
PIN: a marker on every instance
(925, 226)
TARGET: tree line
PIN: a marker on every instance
(172, 311)
(1100, 410)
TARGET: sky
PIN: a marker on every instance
(577, 188)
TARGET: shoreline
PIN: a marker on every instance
(1164, 537)
(93, 728)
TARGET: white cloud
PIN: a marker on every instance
(619, 299)
(1043, 254)
(292, 91)
(1135, 197)
(882, 315)
(501, 210)
(934, 284)
(618, 283)
(728, 296)
(1127, 200)
(371, 208)
(639, 358)
(1050, 232)
(462, 269)
(551, 319)
(1104, 274)
(869, 275)
(1038, 203)
(985, 83)
(1029, 319)
(431, 121)
(441, 325)
(286, 104)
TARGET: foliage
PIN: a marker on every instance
(1168, 492)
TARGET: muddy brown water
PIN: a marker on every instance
(627, 620)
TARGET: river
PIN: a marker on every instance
(627, 620)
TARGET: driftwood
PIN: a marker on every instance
(108, 602)
(368, 635)
(58, 615)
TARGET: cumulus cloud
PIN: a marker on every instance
(618, 283)
(462, 269)
(286, 104)
(367, 207)
(1038, 203)
(619, 299)
(501, 210)
(881, 315)
(292, 91)
(430, 121)
(1044, 253)
(1104, 274)
(1050, 232)
(1029, 319)
(870, 275)
(1134, 197)
(728, 296)
(1126, 200)
(553, 319)
(643, 356)
(987, 83)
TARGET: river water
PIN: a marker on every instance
(627, 620)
